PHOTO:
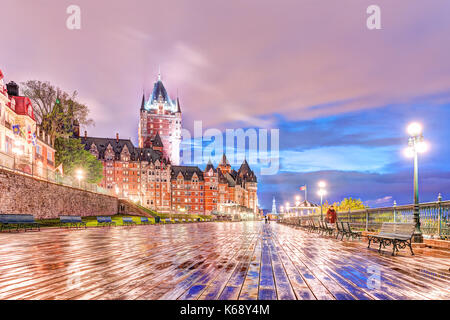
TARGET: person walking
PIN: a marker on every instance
(331, 215)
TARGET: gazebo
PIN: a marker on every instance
(304, 208)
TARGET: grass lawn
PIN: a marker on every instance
(91, 221)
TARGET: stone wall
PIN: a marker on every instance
(45, 200)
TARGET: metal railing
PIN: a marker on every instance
(434, 218)
(20, 165)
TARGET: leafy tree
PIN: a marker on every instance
(349, 204)
(71, 153)
(54, 109)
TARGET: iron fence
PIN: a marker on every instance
(21, 165)
(434, 217)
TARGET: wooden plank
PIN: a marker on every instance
(245, 261)
(250, 287)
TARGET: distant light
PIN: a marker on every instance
(414, 129)
(322, 184)
(17, 151)
(422, 147)
(79, 174)
(297, 198)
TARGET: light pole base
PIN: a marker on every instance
(417, 238)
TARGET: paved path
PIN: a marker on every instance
(210, 261)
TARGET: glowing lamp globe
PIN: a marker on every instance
(415, 129)
(322, 184)
(422, 147)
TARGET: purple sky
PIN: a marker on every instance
(238, 63)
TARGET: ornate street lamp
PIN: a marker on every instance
(321, 193)
(416, 145)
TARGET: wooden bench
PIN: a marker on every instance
(347, 229)
(105, 221)
(399, 235)
(313, 226)
(144, 220)
(325, 228)
(127, 221)
(304, 225)
(340, 230)
(74, 221)
(18, 221)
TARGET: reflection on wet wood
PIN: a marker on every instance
(245, 261)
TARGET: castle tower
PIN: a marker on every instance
(161, 115)
(224, 165)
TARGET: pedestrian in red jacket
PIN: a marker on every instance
(331, 215)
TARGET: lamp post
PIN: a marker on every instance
(321, 193)
(416, 145)
(287, 209)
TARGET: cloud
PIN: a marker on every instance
(387, 200)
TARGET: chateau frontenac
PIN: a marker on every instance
(152, 176)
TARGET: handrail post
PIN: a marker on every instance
(395, 211)
(367, 219)
(440, 214)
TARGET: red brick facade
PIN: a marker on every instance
(149, 174)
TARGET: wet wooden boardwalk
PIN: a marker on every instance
(211, 261)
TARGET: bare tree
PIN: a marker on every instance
(54, 108)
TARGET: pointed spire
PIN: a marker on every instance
(159, 72)
(210, 166)
(178, 105)
(143, 101)
(224, 160)
(157, 141)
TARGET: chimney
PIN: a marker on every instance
(117, 137)
(13, 89)
(85, 133)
